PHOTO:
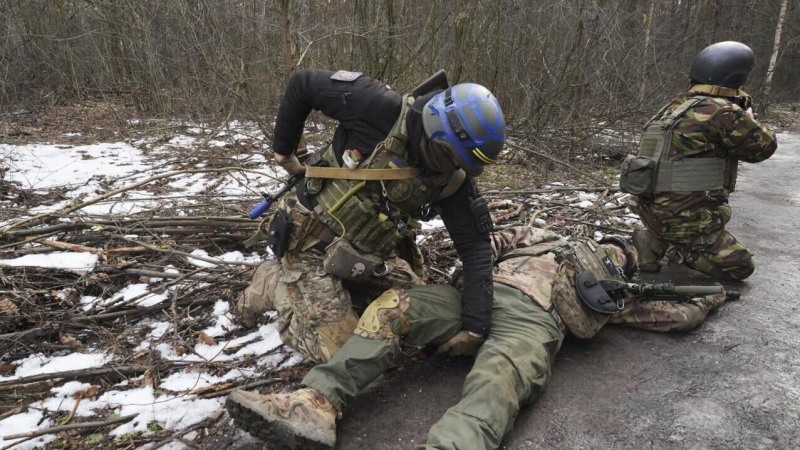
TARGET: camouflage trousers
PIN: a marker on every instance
(697, 238)
(719, 255)
(511, 368)
(316, 313)
(666, 315)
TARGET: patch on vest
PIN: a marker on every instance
(346, 76)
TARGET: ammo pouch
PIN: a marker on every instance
(280, 228)
(636, 175)
(344, 261)
(574, 258)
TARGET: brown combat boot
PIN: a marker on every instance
(301, 420)
(649, 249)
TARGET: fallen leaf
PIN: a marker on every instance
(68, 339)
(89, 393)
(7, 369)
(8, 308)
(208, 340)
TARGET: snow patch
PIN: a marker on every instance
(40, 364)
(72, 261)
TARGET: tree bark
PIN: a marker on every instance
(284, 8)
(776, 46)
(648, 28)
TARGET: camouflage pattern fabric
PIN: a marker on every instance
(714, 128)
(315, 310)
(666, 315)
(511, 368)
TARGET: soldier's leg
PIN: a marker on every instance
(667, 315)
(423, 314)
(315, 314)
(719, 255)
(511, 369)
(258, 298)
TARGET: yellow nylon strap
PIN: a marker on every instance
(717, 90)
(336, 173)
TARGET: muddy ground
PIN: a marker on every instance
(732, 384)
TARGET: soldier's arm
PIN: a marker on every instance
(364, 107)
(518, 237)
(743, 137)
(475, 251)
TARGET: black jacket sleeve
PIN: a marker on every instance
(475, 250)
(366, 110)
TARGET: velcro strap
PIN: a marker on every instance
(694, 174)
(717, 90)
(336, 173)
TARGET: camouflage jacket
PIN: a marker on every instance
(714, 128)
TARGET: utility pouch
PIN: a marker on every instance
(344, 261)
(280, 228)
(637, 174)
(595, 296)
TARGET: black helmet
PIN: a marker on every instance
(724, 64)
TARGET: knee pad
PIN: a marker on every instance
(376, 322)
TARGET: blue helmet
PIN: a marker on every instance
(467, 120)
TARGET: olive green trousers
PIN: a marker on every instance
(510, 370)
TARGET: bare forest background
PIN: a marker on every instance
(561, 69)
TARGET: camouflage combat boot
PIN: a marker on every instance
(649, 249)
(301, 420)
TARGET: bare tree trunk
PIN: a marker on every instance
(284, 8)
(775, 48)
(648, 27)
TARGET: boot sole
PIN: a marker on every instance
(278, 435)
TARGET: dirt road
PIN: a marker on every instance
(732, 384)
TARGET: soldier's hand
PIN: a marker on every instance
(290, 164)
(465, 343)
(752, 115)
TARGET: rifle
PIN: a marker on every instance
(665, 289)
(270, 199)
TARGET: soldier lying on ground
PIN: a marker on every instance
(687, 166)
(352, 227)
(535, 304)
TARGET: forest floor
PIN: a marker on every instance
(121, 254)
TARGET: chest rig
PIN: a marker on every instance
(650, 172)
(547, 272)
(375, 205)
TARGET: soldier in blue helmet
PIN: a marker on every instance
(351, 228)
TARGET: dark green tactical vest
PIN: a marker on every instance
(650, 172)
(374, 216)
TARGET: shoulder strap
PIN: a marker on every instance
(670, 122)
(657, 115)
(337, 173)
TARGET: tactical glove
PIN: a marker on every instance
(465, 343)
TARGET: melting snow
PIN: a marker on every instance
(76, 262)
(43, 166)
(39, 364)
